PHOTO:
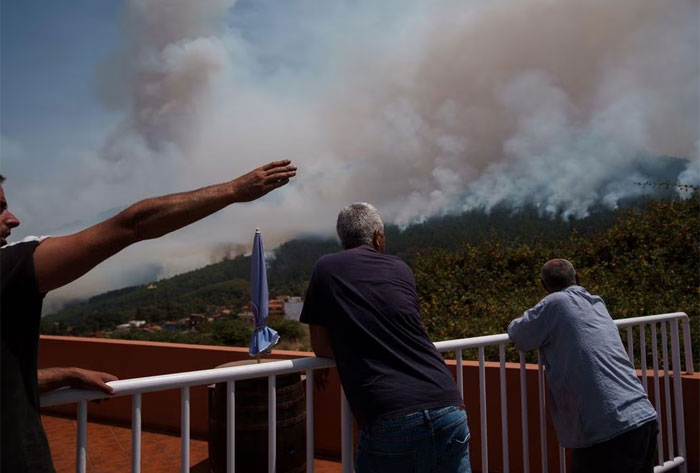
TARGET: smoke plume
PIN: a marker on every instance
(421, 108)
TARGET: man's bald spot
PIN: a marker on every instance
(558, 274)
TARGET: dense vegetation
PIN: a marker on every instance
(474, 273)
(648, 262)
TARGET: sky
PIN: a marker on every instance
(420, 107)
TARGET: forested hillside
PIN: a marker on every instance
(225, 284)
(474, 273)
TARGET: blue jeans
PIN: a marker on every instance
(427, 441)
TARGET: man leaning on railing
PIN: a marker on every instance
(31, 268)
(599, 407)
(362, 307)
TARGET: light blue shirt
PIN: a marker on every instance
(593, 390)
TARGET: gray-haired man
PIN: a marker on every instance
(363, 310)
(598, 405)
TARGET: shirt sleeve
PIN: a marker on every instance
(17, 274)
(532, 329)
(312, 311)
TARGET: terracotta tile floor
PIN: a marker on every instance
(109, 450)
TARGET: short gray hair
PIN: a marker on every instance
(357, 224)
(558, 274)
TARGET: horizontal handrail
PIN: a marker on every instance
(473, 342)
(163, 382)
(217, 375)
(649, 319)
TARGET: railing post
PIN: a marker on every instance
(504, 408)
(523, 414)
(689, 369)
(630, 345)
(230, 427)
(562, 459)
(271, 425)
(185, 429)
(482, 404)
(346, 435)
(136, 433)
(81, 451)
(678, 394)
(460, 373)
(643, 356)
(667, 391)
(543, 414)
(657, 392)
(309, 421)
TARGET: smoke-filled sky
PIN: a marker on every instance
(420, 107)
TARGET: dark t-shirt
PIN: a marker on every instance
(24, 445)
(387, 364)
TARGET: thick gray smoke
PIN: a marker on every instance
(420, 107)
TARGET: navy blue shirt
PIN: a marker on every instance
(387, 364)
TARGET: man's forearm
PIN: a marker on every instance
(58, 261)
(52, 378)
(155, 217)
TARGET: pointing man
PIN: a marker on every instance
(32, 268)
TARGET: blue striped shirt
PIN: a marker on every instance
(593, 390)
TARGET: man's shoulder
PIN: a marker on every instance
(554, 301)
(329, 259)
(14, 252)
(555, 298)
(571, 300)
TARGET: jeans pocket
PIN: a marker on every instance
(453, 449)
(370, 461)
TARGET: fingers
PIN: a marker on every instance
(106, 377)
(96, 379)
(279, 177)
(281, 169)
(276, 164)
(109, 377)
(105, 387)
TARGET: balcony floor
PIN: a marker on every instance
(109, 450)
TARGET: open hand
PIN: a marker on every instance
(262, 180)
(54, 378)
(86, 379)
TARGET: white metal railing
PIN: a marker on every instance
(667, 458)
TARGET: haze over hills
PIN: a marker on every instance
(225, 284)
(473, 272)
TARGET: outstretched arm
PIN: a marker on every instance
(54, 378)
(61, 260)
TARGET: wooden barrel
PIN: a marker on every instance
(251, 424)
